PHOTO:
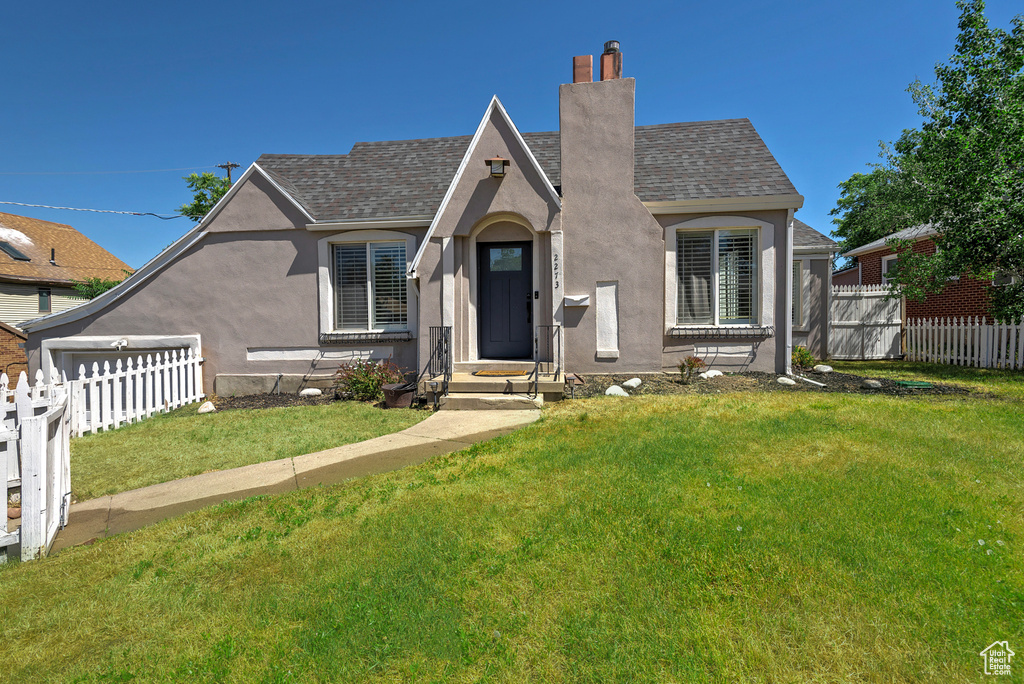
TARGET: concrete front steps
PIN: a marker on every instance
(468, 392)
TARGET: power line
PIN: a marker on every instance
(100, 173)
(98, 211)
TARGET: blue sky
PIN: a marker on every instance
(104, 86)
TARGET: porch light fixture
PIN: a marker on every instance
(497, 165)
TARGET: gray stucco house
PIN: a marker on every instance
(603, 247)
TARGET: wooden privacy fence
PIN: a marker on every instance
(864, 323)
(966, 342)
(34, 438)
(108, 398)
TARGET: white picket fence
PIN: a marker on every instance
(966, 342)
(109, 397)
(37, 421)
(864, 323)
(34, 440)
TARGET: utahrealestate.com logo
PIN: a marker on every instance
(997, 658)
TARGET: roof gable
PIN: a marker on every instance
(493, 118)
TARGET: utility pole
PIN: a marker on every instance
(227, 166)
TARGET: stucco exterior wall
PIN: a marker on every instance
(250, 294)
(813, 334)
(750, 353)
(609, 236)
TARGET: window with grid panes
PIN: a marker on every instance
(717, 277)
(370, 286)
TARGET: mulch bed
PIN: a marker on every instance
(664, 383)
(263, 401)
(656, 384)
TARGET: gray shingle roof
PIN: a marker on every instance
(390, 179)
(805, 236)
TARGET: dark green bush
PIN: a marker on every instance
(365, 380)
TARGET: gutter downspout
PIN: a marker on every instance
(789, 293)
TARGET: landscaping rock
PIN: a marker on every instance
(632, 383)
(310, 392)
(616, 391)
(871, 384)
(783, 380)
(822, 368)
(207, 407)
(13, 513)
(713, 373)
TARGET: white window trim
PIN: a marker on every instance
(886, 259)
(325, 277)
(766, 267)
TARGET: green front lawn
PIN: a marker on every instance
(728, 538)
(182, 443)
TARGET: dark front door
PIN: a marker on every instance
(505, 309)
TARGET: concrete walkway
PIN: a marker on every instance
(441, 433)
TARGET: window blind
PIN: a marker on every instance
(389, 286)
(351, 287)
(693, 264)
(737, 276)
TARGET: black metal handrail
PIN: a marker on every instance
(552, 350)
(440, 361)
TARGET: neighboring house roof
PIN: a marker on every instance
(76, 257)
(913, 233)
(805, 236)
(409, 178)
(11, 330)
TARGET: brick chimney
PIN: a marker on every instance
(611, 61)
(583, 69)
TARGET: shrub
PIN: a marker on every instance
(690, 365)
(364, 380)
(802, 357)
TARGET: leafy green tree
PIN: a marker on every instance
(962, 171)
(207, 189)
(93, 287)
(871, 204)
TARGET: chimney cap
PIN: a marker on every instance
(611, 46)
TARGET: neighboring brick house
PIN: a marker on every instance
(961, 298)
(12, 352)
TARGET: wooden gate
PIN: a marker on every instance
(34, 445)
(865, 323)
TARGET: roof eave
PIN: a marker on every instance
(760, 202)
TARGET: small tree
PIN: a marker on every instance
(207, 189)
(91, 288)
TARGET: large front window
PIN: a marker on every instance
(370, 286)
(717, 279)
